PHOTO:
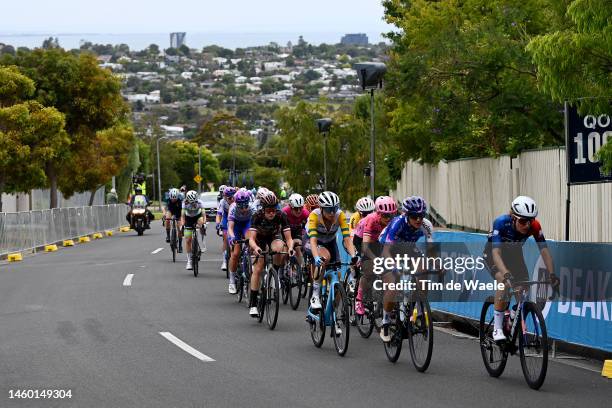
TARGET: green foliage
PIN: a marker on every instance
(460, 82)
(267, 176)
(218, 130)
(14, 87)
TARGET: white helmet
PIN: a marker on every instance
(113, 190)
(261, 192)
(192, 196)
(296, 200)
(524, 206)
(173, 194)
(222, 188)
(365, 204)
(328, 199)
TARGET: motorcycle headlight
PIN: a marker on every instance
(138, 211)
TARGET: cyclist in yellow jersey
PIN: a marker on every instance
(364, 207)
(322, 227)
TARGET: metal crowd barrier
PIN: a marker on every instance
(28, 230)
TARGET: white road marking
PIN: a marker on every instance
(157, 250)
(128, 279)
(186, 347)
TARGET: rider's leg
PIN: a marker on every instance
(255, 282)
(316, 285)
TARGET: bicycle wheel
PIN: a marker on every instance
(341, 328)
(239, 285)
(246, 270)
(421, 336)
(317, 327)
(284, 284)
(393, 348)
(261, 301)
(226, 254)
(533, 345)
(272, 298)
(494, 356)
(195, 257)
(377, 310)
(173, 244)
(295, 285)
(365, 326)
(306, 279)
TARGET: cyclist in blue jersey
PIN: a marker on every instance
(222, 213)
(504, 254)
(239, 222)
(406, 228)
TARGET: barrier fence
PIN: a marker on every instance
(25, 231)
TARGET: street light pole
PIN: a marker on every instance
(372, 146)
(200, 169)
(324, 126)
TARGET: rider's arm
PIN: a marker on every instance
(311, 229)
(346, 236)
(498, 261)
(547, 258)
(230, 229)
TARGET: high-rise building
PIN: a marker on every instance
(354, 39)
(177, 39)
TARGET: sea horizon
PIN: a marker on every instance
(197, 40)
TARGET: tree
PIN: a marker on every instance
(219, 129)
(576, 61)
(30, 135)
(90, 99)
(186, 164)
(460, 82)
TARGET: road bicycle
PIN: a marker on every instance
(524, 323)
(196, 253)
(269, 293)
(334, 312)
(243, 273)
(292, 281)
(411, 319)
(173, 237)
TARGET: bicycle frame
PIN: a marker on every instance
(331, 278)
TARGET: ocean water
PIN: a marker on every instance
(139, 41)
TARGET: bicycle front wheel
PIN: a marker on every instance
(393, 348)
(272, 298)
(173, 241)
(342, 324)
(420, 335)
(493, 355)
(295, 285)
(533, 345)
(195, 256)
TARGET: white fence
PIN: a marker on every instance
(472, 192)
(23, 231)
(39, 200)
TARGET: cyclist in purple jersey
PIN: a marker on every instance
(239, 222)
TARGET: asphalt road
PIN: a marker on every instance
(67, 322)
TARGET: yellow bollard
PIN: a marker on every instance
(84, 239)
(108, 233)
(607, 369)
(15, 257)
(97, 235)
(50, 248)
(68, 243)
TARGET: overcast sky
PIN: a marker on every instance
(148, 16)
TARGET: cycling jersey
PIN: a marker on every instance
(239, 215)
(400, 230)
(372, 226)
(353, 221)
(296, 223)
(266, 229)
(503, 231)
(193, 209)
(175, 207)
(359, 228)
(223, 207)
(316, 227)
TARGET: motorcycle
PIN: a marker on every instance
(139, 219)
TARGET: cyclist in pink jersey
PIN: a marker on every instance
(373, 225)
(297, 215)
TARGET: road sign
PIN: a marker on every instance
(197, 178)
(586, 134)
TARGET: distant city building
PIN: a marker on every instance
(177, 39)
(354, 39)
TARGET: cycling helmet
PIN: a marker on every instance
(365, 204)
(192, 196)
(229, 191)
(138, 190)
(183, 188)
(222, 188)
(524, 206)
(312, 200)
(261, 192)
(173, 194)
(415, 205)
(242, 197)
(328, 199)
(386, 205)
(296, 200)
(268, 199)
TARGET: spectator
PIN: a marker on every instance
(111, 198)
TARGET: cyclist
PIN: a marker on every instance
(364, 207)
(193, 216)
(261, 191)
(408, 227)
(312, 202)
(371, 227)
(174, 207)
(268, 226)
(182, 192)
(297, 216)
(239, 222)
(504, 254)
(220, 196)
(140, 197)
(221, 220)
(322, 227)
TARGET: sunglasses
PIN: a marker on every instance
(243, 205)
(416, 216)
(524, 221)
(297, 209)
(269, 210)
(329, 210)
